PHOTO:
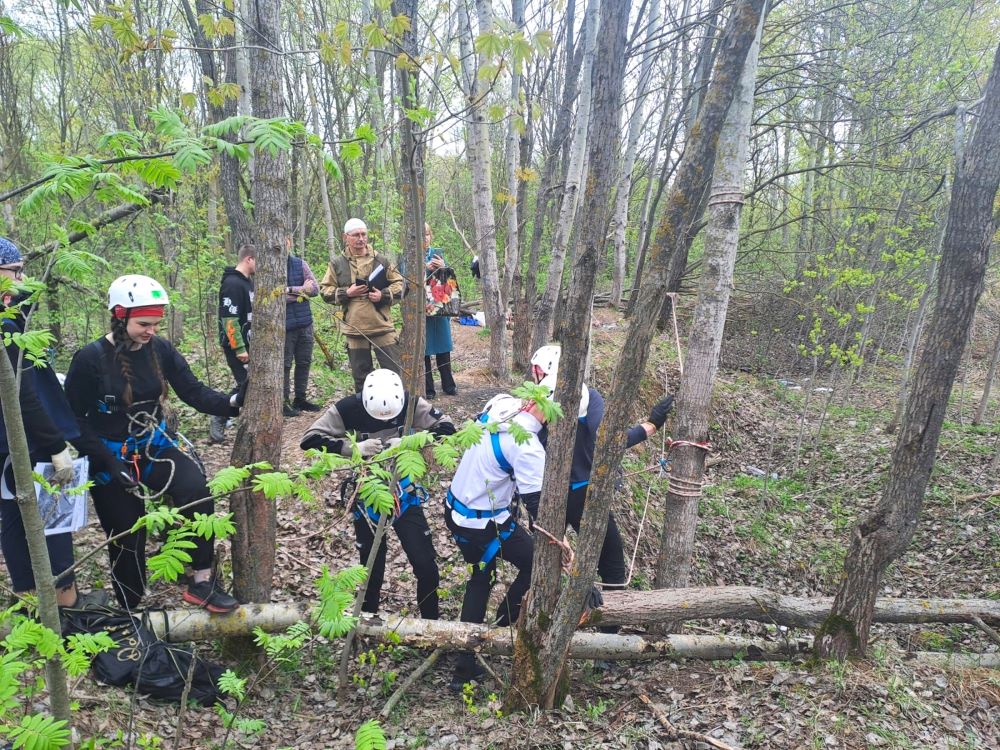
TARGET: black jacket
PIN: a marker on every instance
(95, 387)
(235, 310)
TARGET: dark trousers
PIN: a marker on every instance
(361, 361)
(443, 368)
(611, 566)
(298, 351)
(15, 545)
(517, 549)
(239, 369)
(118, 511)
(415, 535)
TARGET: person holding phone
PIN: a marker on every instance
(437, 342)
(366, 285)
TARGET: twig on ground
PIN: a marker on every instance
(414, 676)
(686, 734)
(990, 632)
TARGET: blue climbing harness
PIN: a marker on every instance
(148, 445)
(407, 498)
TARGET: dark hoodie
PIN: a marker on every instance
(235, 310)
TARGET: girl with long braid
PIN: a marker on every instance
(118, 388)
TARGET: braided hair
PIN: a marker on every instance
(122, 343)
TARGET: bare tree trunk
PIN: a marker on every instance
(512, 258)
(412, 160)
(680, 515)
(478, 146)
(883, 535)
(34, 532)
(550, 616)
(259, 434)
(571, 190)
(984, 402)
(624, 188)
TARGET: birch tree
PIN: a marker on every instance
(479, 151)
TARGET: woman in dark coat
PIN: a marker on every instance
(437, 342)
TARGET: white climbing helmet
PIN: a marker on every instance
(382, 394)
(549, 382)
(502, 407)
(135, 290)
(546, 359)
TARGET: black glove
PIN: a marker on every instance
(658, 414)
(595, 599)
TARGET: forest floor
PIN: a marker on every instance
(767, 519)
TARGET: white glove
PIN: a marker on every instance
(393, 442)
(63, 464)
(370, 447)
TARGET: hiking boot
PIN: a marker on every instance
(217, 429)
(289, 411)
(431, 395)
(210, 595)
(451, 390)
(305, 405)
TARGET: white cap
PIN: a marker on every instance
(354, 225)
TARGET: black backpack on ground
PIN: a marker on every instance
(139, 658)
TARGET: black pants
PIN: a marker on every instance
(239, 369)
(415, 535)
(15, 544)
(611, 566)
(298, 351)
(118, 511)
(517, 549)
(443, 368)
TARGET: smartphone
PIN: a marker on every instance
(360, 282)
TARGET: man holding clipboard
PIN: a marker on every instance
(365, 284)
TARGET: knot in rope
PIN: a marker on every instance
(563, 545)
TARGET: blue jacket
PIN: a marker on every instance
(298, 314)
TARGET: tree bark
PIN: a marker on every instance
(34, 532)
(883, 535)
(512, 258)
(680, 515)
(624, 188)
(259, 434)
(633, 608)
(550, 615)
(478, 147)
(412, 161)
(571, 189)
(984, 401)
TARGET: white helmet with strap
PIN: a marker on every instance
(546, 359)
(383, 395)
(549, 381)
(502, 407)
(135, 290)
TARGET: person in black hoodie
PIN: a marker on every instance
(117, 387)
(48, 423)
(235, 317)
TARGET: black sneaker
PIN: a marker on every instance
(450, 390)
(217, 430)
(305, 405)
(431, 395)
(289, 411)
(210, 595)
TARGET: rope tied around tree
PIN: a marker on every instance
(564, 548)
(680, 486)
(726, 194)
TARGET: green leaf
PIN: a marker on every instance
(39, 732)
(399, 25)
(331, 166)
(489, 44)
(155, 521)
(410, 463)
(229, 126)
(470, 434)
(211, 525)
(228, 479)
(369, 736)
(366, 133)
(168, 122)
(9, 27)
(273, 484)
(376, 495)
(351, 151)
(446, 455)
(231, 683)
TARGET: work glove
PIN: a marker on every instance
(393, 442)
(62, 462)
(370, 447)
(658, 414)
(237, 399)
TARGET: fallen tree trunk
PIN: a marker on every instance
(763, 605)
(185, 625)
(620, 608)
